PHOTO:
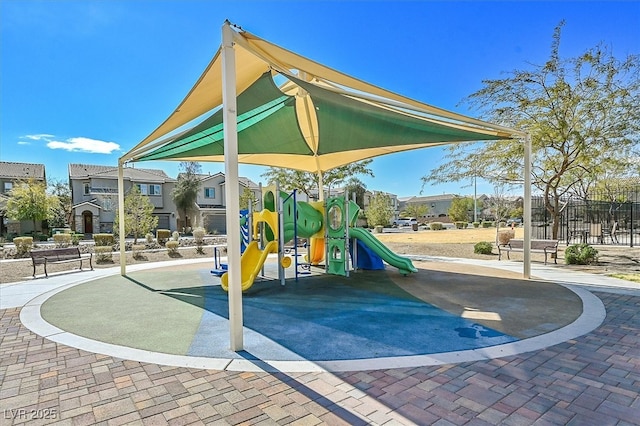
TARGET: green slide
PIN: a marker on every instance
(402, 263)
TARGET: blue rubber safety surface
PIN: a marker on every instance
(336, 318)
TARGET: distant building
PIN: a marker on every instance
(11, 174)
(211, 204)
(94, 192)
(437, 205)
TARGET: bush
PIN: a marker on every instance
(580, 254)
(75, 239)
(505, 236)
(487, 224)
(149, 238)
(175, 236)
(198, 236)
(136, 250)
(162, 235)
(461, 224)
(483, 247)
(103, 253)
(436, 226)
(172, 247)
(23, 245)
(62, 240)
(476, 224)
(104, 240)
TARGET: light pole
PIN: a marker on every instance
(475, 200)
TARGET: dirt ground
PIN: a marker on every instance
(448, 243)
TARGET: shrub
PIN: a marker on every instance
(461, 224)
(41, 237)
(436, 226)
(172, 247)
(149, 238)
(104, 240)
(487, 224)
(175, 236)
(580, 254)
(505, 236)
(198, 236)
(136, 250)
(23, 245)
(476, 224)
(103, 253)
(62, 240)
(483, 247)
(162, 235)
(75, 239)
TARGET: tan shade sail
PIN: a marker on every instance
(330, 119)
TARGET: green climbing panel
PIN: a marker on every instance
(337, 257)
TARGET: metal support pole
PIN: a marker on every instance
(527, 207)
(232, 192)
(121, 229)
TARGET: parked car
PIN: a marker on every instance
(514, 222)
(406, 221)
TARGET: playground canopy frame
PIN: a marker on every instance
(318, 105)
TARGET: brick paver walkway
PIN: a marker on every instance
(592, 380)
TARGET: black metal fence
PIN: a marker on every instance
(604, 218)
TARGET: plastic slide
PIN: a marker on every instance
(367, 258)
(251, 263)
(316, 251)
(403, 264)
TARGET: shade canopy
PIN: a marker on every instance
(314, 119)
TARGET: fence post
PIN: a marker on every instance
(631, 227)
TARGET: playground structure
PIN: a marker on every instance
(330, 232)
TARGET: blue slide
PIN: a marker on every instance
(402, 263)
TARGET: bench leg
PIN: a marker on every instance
(34, 270)
(45, 269)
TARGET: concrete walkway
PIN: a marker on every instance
(590, 379)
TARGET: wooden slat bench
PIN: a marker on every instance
(56, 256)
(537, 246)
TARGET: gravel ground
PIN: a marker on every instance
(612, 259)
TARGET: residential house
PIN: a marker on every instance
(94, 192)
(10, 174)
(210, 209)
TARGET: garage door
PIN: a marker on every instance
(216, 224)
(163, 221)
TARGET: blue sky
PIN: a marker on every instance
(85, 81)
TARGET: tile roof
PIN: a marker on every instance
(85, 171)
(21, 170)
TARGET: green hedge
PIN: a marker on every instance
(483, 247)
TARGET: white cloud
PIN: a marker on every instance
(38, 137)
(88, 145)
(24, 143)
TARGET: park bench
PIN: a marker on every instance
(56, 256)
(537, 246)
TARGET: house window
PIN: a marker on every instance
(86, 188)
(107, 204)
(8, 186)
(154, 190)
(142, 188)
(209, 193)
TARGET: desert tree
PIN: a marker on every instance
(138, 215)
(583, 116)
(28, 200)
(185, 193)
(307, 182)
